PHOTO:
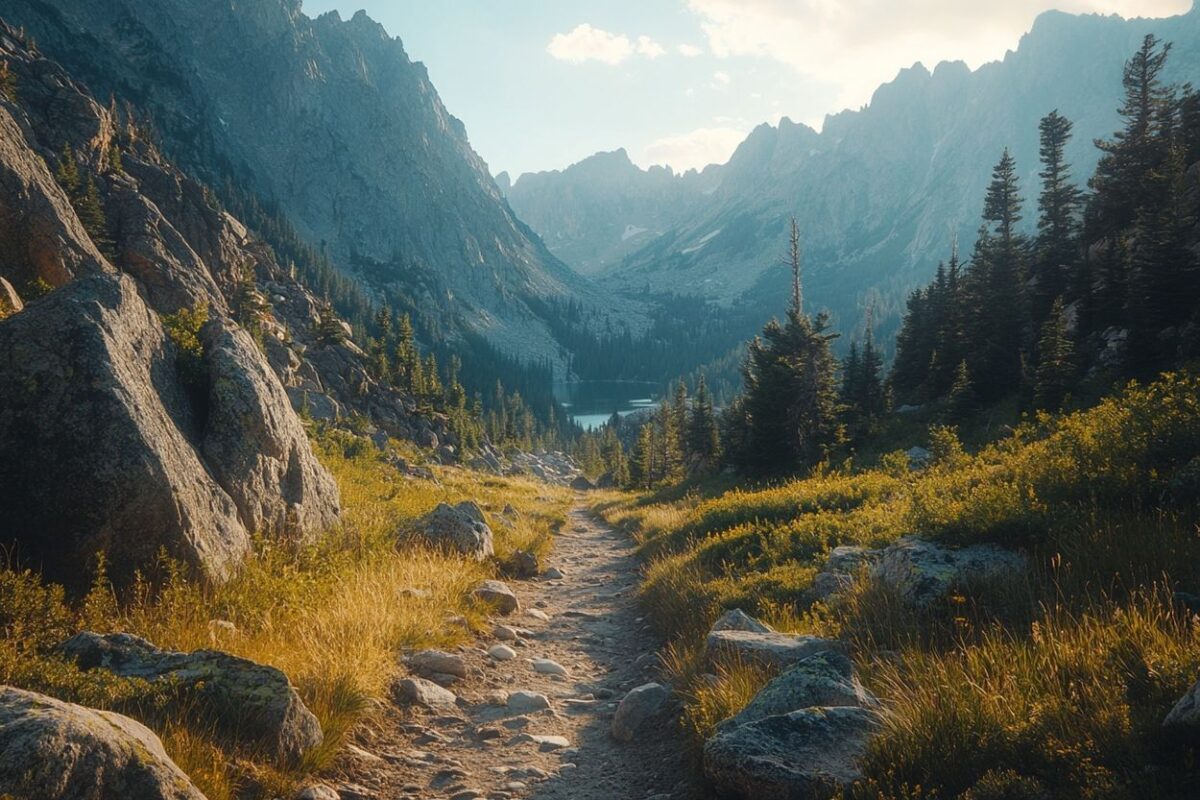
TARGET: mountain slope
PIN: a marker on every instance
(332, 121)
(880, 193)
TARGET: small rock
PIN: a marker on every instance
(1186, 713)
(635, 708)
(317, 791)
(502, 652)
(497, 594)
(437, 662)
(504, 633)
(825, 679)
(461, 528)
(418, 691)
(553, 574)
(737, 620)
(537, 614)
(522, 564)
(545, 666)
(524, 702)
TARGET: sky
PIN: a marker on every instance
(541, 84)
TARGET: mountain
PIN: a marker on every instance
(881, 193)
(595, 213)
(331, 122)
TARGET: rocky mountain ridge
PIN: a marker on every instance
(331, 120)
(881, 193)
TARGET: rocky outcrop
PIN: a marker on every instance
(923, 572)
(356, 149)
(254, 443)
(811, 754)
(771, 649)
(737, 620)
(96, 442)
(101, 436)
(51, 750)
(824, 680)
(248, 703)
(460, 528)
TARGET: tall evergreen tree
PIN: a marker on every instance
(1056, 363)
(1057, 248)
(704, 438)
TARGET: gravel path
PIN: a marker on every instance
(588, 623)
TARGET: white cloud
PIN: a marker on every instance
(689, 50)
(649, 48)
(721, 80)
(694, 150)
(586, 43)
(855, 45)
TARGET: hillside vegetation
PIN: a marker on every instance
(1054, 687)
(333, 616)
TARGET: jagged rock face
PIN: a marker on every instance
(595, 213)
(255, 445)
(332, 120)
(103, 450)
(51, 750)
(93, 451)
(880, 193)
(248, 703)
(40, 236)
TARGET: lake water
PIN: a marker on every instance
(591, 403)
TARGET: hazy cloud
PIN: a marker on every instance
(649, 48)
(586, 43)
(694, 150)
(855, 45)
(690, 50)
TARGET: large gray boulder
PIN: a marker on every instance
(96, 451)
(804, 755)
(769, 649)
(255, 445)
(635, 708)
(825, 680)
(51, 750)
(248, 703)
(923, 572)
(105, 448)
(461, 528)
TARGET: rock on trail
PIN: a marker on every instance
(541, 724)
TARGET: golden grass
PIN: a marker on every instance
(333, 616)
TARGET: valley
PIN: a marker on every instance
(864, 465)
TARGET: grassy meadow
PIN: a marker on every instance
(1053, 688)
(333, 616)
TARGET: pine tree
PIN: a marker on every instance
(704, 438)
(998, 272)
(641, 466)
(329, 330)
(1056, 365)
(1121, 185)
(670, 453)
(1057, 247)
(90, 211)
(250, 306)
(67, 172)
(961, 400)
(790, 400)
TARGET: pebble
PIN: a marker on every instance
(504, 633)
(545, 666)
(524, 702)
(553, 574)
(537, 613)
(502, 652)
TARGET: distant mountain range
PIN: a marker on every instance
(331, 121)
(880, 193)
